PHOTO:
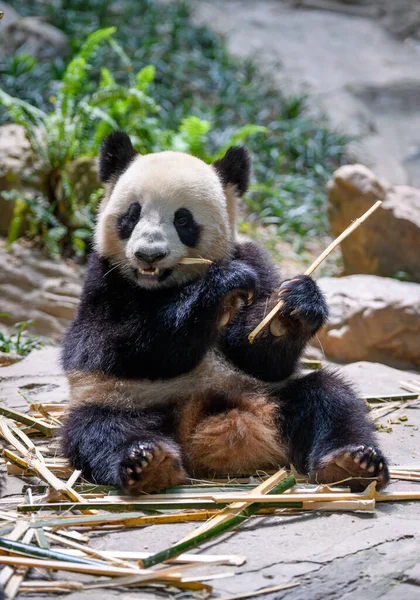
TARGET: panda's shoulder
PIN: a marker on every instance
(254, 254)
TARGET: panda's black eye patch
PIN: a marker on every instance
(187, 228)
(128, 220)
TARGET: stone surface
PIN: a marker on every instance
(31, 35)
(388, 242)
(18, 170)
(355, 72)
(330, 555)
(10, 15)
(372, 318)
(40, 289)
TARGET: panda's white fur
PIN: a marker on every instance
(162, 183)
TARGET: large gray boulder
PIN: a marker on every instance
(32, 36)
(18, 170)
(373, 319)
(388, 243)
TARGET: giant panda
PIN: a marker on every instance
(164, 384)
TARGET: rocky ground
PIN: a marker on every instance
(359, 61)
(355, 59)
(331, 555)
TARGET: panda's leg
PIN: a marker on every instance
(129, 449)
(328, 433)
(230, 431)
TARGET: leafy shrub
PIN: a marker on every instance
(292, 160)
(75, 128)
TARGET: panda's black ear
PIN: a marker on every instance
(235, 168)
(116, 154)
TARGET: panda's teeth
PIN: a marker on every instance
(149, 272)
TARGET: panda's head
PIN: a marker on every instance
(160, 208)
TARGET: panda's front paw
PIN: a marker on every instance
(303, 302)
(237, 276)
(150, 467)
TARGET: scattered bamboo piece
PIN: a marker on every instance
(314, 265)
(16, 578)
(412, 385)
(31, 550)
(215, 531)
(47, 430)
(234, 509)
(262, 592)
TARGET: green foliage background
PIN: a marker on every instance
(170, 84)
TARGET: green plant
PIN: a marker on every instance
(292, 160)
(18, 342)
(59, 221)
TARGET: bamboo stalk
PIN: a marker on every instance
(234, 560)
(412, 385)
(50, 587)
(194, 261)
(314, 265)
(12, 587)
(237, 507)
(44, 473)
(35, 551)
(390, 397)
(89, 551)
(67, 565)
(137, 505)
(19, 530)
(262, 592)
(215, 531)
(47, 430)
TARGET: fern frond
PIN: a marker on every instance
(93, 40)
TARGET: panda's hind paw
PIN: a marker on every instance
(150, 467)
(363, 463)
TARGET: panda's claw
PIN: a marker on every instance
(150, 467)
(361, 463)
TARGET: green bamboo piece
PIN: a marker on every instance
(143, 506)
(15, 415)
(308, 363)
(378, 399)
(169, 553)
(35, 551)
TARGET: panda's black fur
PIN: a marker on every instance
(225, 404)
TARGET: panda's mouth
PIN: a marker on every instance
(152, 274)
(149, 272)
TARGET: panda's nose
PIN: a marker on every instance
(151, 257)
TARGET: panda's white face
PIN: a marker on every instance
(164, 207)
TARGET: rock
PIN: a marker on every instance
(341, 56)
(35, 37)
(372, 319)
(45, 291)
(18, 170)
(10, 15)
(8, 358)
(388, 242)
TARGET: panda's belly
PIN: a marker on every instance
(226, 420)
(213, 373)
